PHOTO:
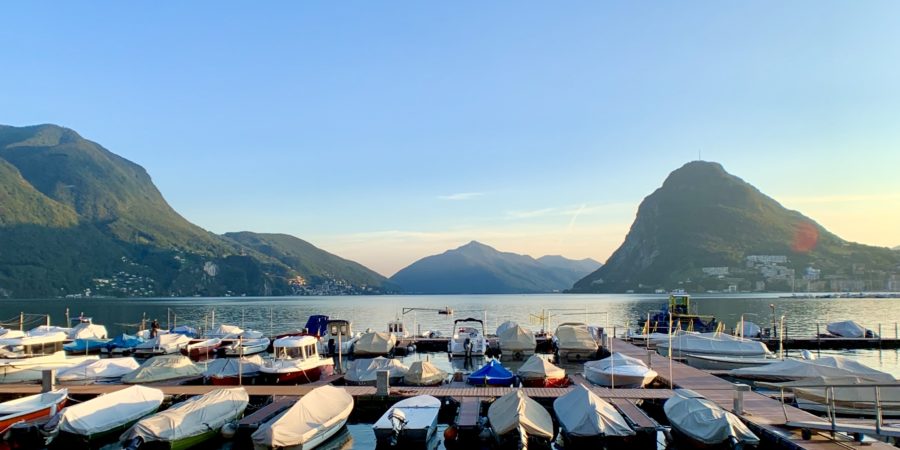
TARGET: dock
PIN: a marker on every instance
(831, 343)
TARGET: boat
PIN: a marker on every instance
(328, 343)
(201, 348)
(98, 371)
(102, 416)
(619, 370)
(491, 374)
(170, 368)
(233, 371)
(802, 369)
(849, 329)
(363, 372)
(679, 313)
(749, 330)
(374, 344)
(713, 362)
(467, 341)
(538, 372)
(164, 344)
(517, 421)
(588, 421)
(410, 423)
(424, 373)
(190, 332)
(575, 342)
(317, 416)
(703, 423)
(85, 328)
(85, 346)
(844, 395)
(295, 360)
(189, 423)
(505, 326)
(123, 344)
(23, 359)
(517, 343)
(33, 407)
(244, 346)
(224, 331)
(712, 344)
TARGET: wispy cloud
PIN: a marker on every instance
(461, 196)
(572, 211)
(820, 199)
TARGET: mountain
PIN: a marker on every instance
(76, 218)
(706, 229)
(476, 268)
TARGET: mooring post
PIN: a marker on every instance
(739, 389)
(48, 380)
(649, 359)
(382, 383)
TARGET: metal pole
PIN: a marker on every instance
(831, 407)
(340, 352)
(671, 381)
(781, 340)
(878, 418)
(241, 360)
(21, 321)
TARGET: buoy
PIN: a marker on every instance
(518, 356)
(450, 434)
(229, 430)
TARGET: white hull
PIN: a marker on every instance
(518, 355)
(709, 362)
(314, 442)
(577, 354)
(27, 370)
(458, 347)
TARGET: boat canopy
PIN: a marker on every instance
(375, 343)
(316, 412)
(516, 410)
(491, 373)
(537, 367)
(98, 369)
(294, 341)
(422, 373)
(800, 369)
(317, 325)
(192, 417)
(517, 339)
(575, 337)
(229, 367)
(751, 329)
(704, 421)
(110, 410)
(164, 367)
(847, 329)
(365, 369)
(583, 413)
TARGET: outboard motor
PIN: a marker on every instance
(398, 421)
(134, 444)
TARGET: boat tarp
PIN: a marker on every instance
(87, 330)
(110, 410)
(537, 367)
(583, 413)
(35, 339)
(847, 329)
(317, 411)
(619, 364)
(191, 417)
(860, 398)
(422, 373)
(229, 367)
(516, 410)
(365, 369)
(491, 373)
(84, 345)
(751, 329)
(575, 337)
(47, 329)
(800, 369)
(418, 412)
(505, 326)
(167, 340)
(124, 341)
(317, 325)
(98, 369)
(185, 330)
(164, 367)
(723, 345)
(224, 330)
(705, 421)
(32, 402)
(517, 339)
(375, 343)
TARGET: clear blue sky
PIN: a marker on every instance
(386, 131)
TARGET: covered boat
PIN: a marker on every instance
(190, 332)
(24, 358)
(233, 371)
(164, 344)
(538, 372)
(505, 326)
(30, 408)
(224, 331)
(517, 421)
(703, 421)
(491, 374)
(619, 370)
(188, 423)
(375, 344)
(713, 362)
(575, 342)
(586, 420)
(164, 368)
(244, 346)
(750, 330)
(364, 371)
(712, 344)
(296, 360)
(86, 329)
(107, 414)
(424, 373)
(802, 369)
(311, 421)
(98, 370)
(410, 423)
(853, 396)
(86, 346)
(849, 329)
(517, 343)
(201, 348)
(123, 344)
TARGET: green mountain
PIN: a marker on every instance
(476, 268)
(706, 229)
(77, 218)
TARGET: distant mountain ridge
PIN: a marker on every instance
(705, 229)
(476, 268)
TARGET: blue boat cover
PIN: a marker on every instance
(317, 325)
(83, 345)
(492, 373)
(124, 341)
(185, 330)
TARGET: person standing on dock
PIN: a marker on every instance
(154, 328)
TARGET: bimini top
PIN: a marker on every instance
(294, 341)
(317, 325)
(491, 373)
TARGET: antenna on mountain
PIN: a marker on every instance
(699, 155)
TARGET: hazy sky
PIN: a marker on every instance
(386, 131)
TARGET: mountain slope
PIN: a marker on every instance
(476, 268)
(703, 217)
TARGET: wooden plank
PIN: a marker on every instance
(469, 412)
(267, 412)
(638, 418)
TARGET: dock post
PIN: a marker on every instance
(649, 359)
(739, 389)
(382, 383)
(48, 380)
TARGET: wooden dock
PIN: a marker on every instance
(831, 343)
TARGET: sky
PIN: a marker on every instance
(388, 131)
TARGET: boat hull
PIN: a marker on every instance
(517, 355)
(709, 362)
(573, 441)
(29, 416)
(315, 441)
(621, 381)
(545, 382)
(233, 380)
(512, 440)
(409, 438)
(303, 376)
(577, 354)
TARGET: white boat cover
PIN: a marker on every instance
(11, 334)
(575, 337)
(516, 410)
(163, 367)
(517, 339)
(166, 341)
(319, 410)
(860, 398)
(375, 343)
(847, 329)
(366, 369)
(47, 329)
(619, 364)
(751, 330)
(423, 373)
(229, 367)
(98, 369)
(583, 413)
(704, 421)
(34, 339)
(32, 402)
(708, 344)
(800, 369)
(294, 341)
(418, 412)
(537, 367)
(191, 417)
(659, 337)
(226, 331)
(88, 330)
(505, 326)
(110, 410)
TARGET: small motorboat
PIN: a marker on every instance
(123, 344)
(102, 416)
(86, 346)
(517, 421)
(575, 342)
(854, 396)
(713, 362)
(538, 372)
(491, 374)
(424, 373)
(244, 346)
(171, 368)
(295, 360)
(23, 358)
(317, 416)
(619, 370)
(189, 423)
(85, 328)
(716, 344)
(588, 421)
(517, 343)
(410, 423)
(233, 371)
(804, 369)
(849, 329)
(33, 407)
(374, 344)
(164, 344)
(466, 340)
(105, 370)
(702, 422)
(364, 372)
(201, 348)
